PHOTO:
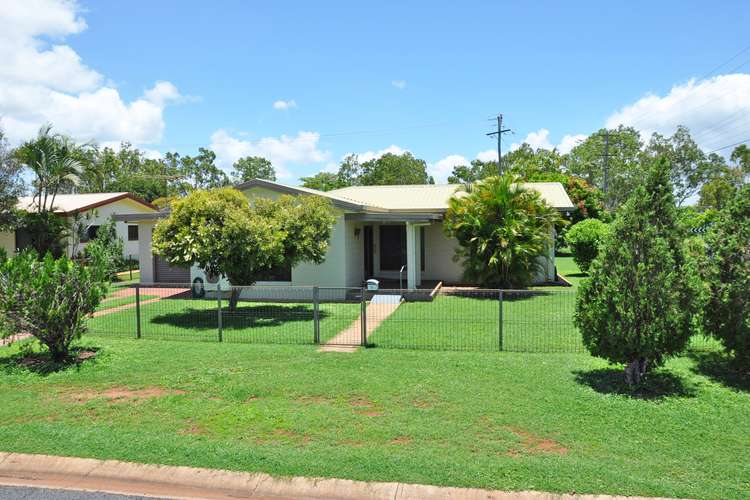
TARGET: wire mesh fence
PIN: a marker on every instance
(444, 319)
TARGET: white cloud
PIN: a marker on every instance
(568, 142)
(42, 82)
(373, 155)
(489, 155)
(441, 169)
(399, 84)
(281, 151)
(715, 111)
(283, 105)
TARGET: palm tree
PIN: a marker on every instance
(55, 161)
(502, 229)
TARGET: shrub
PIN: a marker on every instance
(638, 304)
(502, 230)
(727, 310)
(49, 298)
(584, 240)
(109, 246)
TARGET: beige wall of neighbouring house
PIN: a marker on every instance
(8, 242)
(333, 271)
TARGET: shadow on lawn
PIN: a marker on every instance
(41, 363)
(722, 368)
(656, 385)
(242, 317)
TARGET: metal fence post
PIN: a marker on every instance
(218, 304)
(363, 316)
(316, 315)
(500, 321)
(137, 311)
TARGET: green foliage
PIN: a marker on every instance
(727, 310)
(11, 185)
(253, 167)
(50, 299)
(109, 246)
(624, 162)
(502, 230)
(222, 233)
(638, 304)
(322, 181)
(477, 170)
(47, 232)
(584, 239)
(389, 169)
(195, 172)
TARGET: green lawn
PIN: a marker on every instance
(123, 279)
(197, 320)
(556, 422)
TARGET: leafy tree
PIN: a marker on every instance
(690, 166)
(724, 180)
(392, 169)
(222, 233)
(322, 181)
(196, 172)
(529, 163)
(253, 167)
(727, 311)
(624, 171)
(637, 306)
(49, 298)
(584, 239)
(477, 170)
(127, 169)
(11, 185)
(741, 157)
(502, 230)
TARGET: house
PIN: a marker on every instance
(89, 211)
(387, 232)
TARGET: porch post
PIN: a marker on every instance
(412, 264)
(418, 254)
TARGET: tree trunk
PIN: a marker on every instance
(635, 370)
(234, 297)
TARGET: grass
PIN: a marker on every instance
(123, 279)
(195, 319)
(511, 421)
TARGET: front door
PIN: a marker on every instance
(369, 253)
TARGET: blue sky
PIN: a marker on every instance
(365, 77)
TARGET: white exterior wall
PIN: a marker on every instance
(355, 253)
(332, 272)
(438, 259)
(8, 242)
(145, 257)
(101, 215)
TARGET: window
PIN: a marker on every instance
(91, 232)
(132, 233)
(277, 273)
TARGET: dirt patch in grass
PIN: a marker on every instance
(369, 413)
(422, 404)
(400, 441)
(360, 403)
(121, 394)
(533, 444)
(353, 443)
(193, 429)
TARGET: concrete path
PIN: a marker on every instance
(350, 339)
(161, 293)
(126, 478)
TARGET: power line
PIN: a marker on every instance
(729, 146)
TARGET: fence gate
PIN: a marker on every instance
(340, 316)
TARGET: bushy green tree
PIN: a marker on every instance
(584, 239)
(322, 181)
(49, 298)
(221, 232)
(253, 167)
(727, 311)
(11, 185)
(502, 230)
(637, 306)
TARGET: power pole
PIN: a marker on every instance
(499, 133)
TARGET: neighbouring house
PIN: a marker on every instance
(88, 211)
(393, 233)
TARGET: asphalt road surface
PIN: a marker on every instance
(27, 493)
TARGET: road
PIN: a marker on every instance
(28, 493)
